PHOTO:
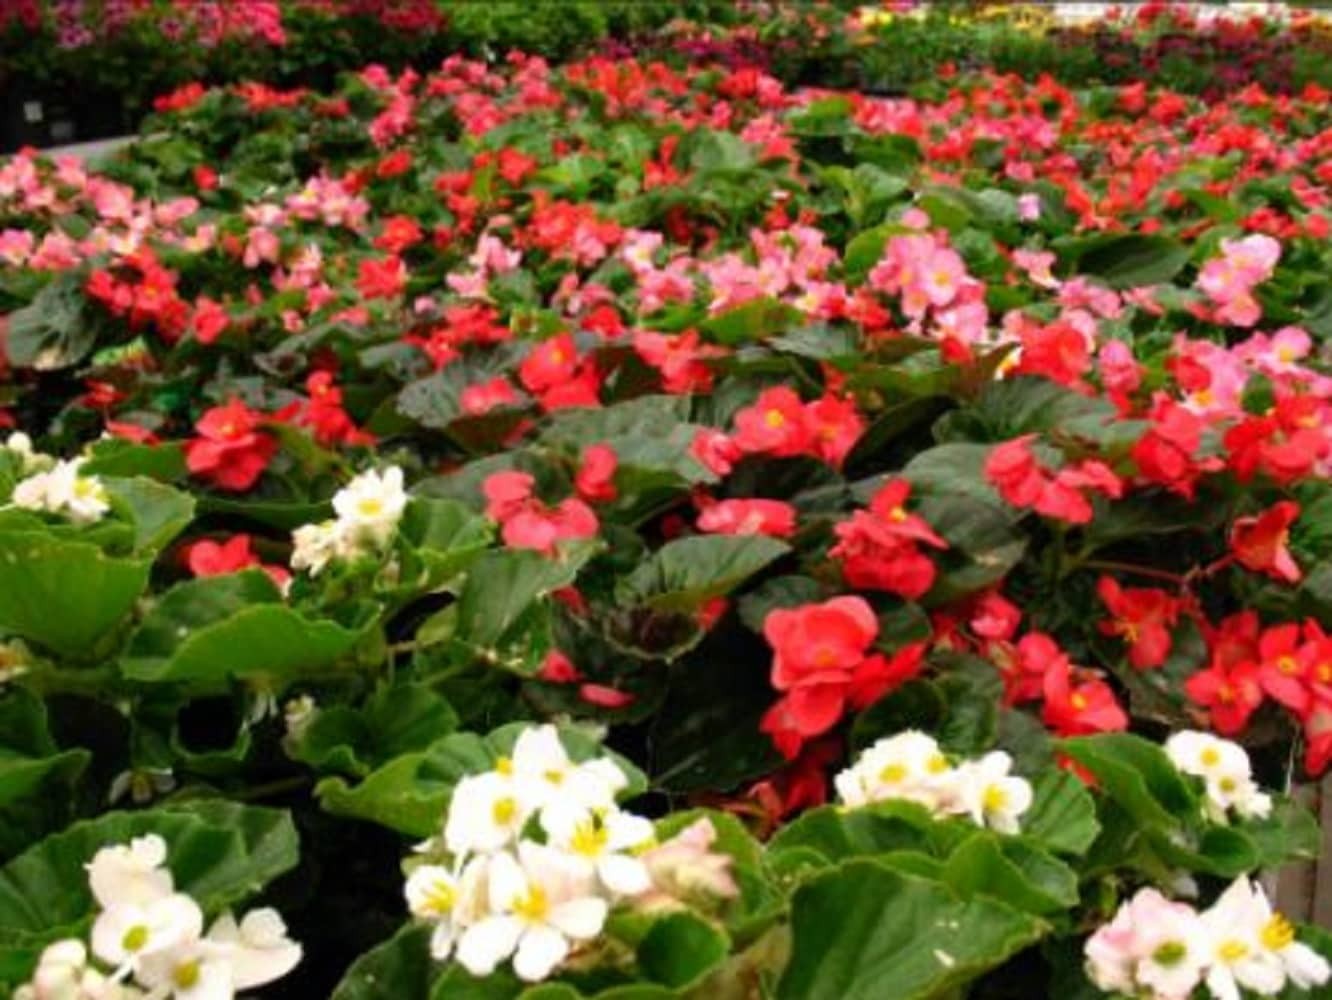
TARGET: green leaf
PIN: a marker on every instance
(1128, 260)
(400, 967)
(1014, 871)
(865, 932)
(52, 331)
(446, 535)
(680, 950)
(503, 592)
(235, 625)
(62, 593)
(756, 319)
(392, 721)
(1138, 775)
(36, 778)
(983, 545)
(158, 512)
(839, 834)
(684, 573)
(1062, 814)
(219, 852)
(118, 457)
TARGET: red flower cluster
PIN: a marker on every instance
(231, 451)
(1022, 481)
(211, 558)
(780, 424)
(1142, 617)
(748, 517)
(1259, 543)
(144, 291)
(822, 665)
(527, 523)
(879, 549)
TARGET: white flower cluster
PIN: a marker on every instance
(910, 766)
(56, 487)
(506, 895)
(368, 511)
(1227, 777)
(1158, 949)
(152, 939)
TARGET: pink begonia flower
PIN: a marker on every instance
(1036, 265)
(1029, 207)
(686, 868)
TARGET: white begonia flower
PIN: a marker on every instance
(907, 766)
(297, 714)
(540, 902)
(257, 950)
(64, 490)
(63, 973)
(542, 769)
(600, 838)
(1255, 948)
(371, 505)
(315, 546)
(1174, 949)
(30, 460)
(1226, 773)
(192, 970)
(992, 796)
(126, 934)
(130, 873)
(450, 903)
(487, 813)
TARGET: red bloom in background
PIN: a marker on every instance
(211, 558)
(715, 451)
(1283, 666)
(836, 426)
(774, 425)
(1079, 709)
(1229, 695)
(209, 320)
(595, 481)
(400, 232)
(1022, 481)
(1014, 473)
(878, 549)
(230, 451)
(822, 663)
(1142, 616)
(1165, 453)
(679, 359)
(1259, 543)
(1285, 444)
(381, 279)
(748, 517)
(483, 397)
(526, 522)
(549, 364)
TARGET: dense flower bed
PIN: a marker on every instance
(580, 470)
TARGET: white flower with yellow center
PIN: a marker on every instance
(314, 546)
(1226, 773)
(1254, 947)
(543, 769)
(541, 904)
(601, 839)
(371, 505)
(64, 490)
(125, 935)
(992, 796)
(908, 766)
(436, 896)
(487, 813)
